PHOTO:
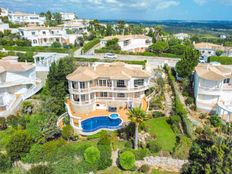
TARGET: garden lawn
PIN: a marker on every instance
(164, 134)
(162, 172)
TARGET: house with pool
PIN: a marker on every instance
(101, 95)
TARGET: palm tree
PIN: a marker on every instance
(137, 116)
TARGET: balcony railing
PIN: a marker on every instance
(102, 88)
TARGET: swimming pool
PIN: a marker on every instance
(114, 116)
(101, 122)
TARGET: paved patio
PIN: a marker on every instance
(100, 112)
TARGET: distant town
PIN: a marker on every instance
(97, 96)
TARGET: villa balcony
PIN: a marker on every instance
(108, 89)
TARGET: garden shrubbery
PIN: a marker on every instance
(87, 46)
(127, 160)
(92, 155)
(221, 59)
(215, 120)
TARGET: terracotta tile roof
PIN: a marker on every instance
(114, 71)
(15, 66)
(126, 37)
(213, 72)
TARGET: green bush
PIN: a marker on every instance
(104, 146)
(140, 153)
(67, 132)
(92, 155)
(144, 168)
(87, 46)
(189, 100)
(127, 160)
(223, 60)
(3, 124)
(19, 145)
(5, 162)
(25, 57)
(41, 169)
(215, 120)
(154, 147)
(56, 45)
(157, 114)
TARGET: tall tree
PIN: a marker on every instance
(187, 64)
(137, 116)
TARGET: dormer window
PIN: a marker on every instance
(226, 81)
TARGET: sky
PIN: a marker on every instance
(130, 9)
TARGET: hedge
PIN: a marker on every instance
(179, 106)
(87, 46)
(134, 62)
(169, 55)
(36, 49)
(223, 60)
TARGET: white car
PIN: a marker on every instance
(110, 55)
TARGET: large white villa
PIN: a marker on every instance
(131, 43)
(17, 82)
(103, 88)
(28, 18)
(213, 89)
(4, 12)
(45, 36)
(68, 16)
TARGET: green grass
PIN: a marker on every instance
(155, 171)
(164, 134)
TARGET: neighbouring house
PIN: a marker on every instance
(130, 43)
(3, 26)
(68, 16)
(213, 89)
(104, 89)
(27, 18)
(4, 12)
(182, 36)
(222, 36)
(43, 61)
(208, 49)
(45, 36)
(77, 26)
(17, 82)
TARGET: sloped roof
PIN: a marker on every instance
(113, 71)
(213, 72)
(15, 66)
(126, 37)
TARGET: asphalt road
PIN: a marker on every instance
(154, 61)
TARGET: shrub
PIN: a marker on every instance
(56, 45)
(3, 124)
(141, 153)
(13, 120)
(223, 60)
(189, 100)
(87, 46)
(67, 132)
(127, 160)
(104, 147)
(40, 169)
(19, 145)
(5, 162)
(157, 114)
(154, 147)
(215, 120)
(92, 155)
(144, 168)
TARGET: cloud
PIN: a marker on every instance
(200, 2)
(166, 4)
(106, 4)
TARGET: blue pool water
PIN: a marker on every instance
(114, 116)
(96, 123)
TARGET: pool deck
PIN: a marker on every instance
(99, 112)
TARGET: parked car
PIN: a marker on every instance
(110, 55)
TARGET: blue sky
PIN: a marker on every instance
(130, 9)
